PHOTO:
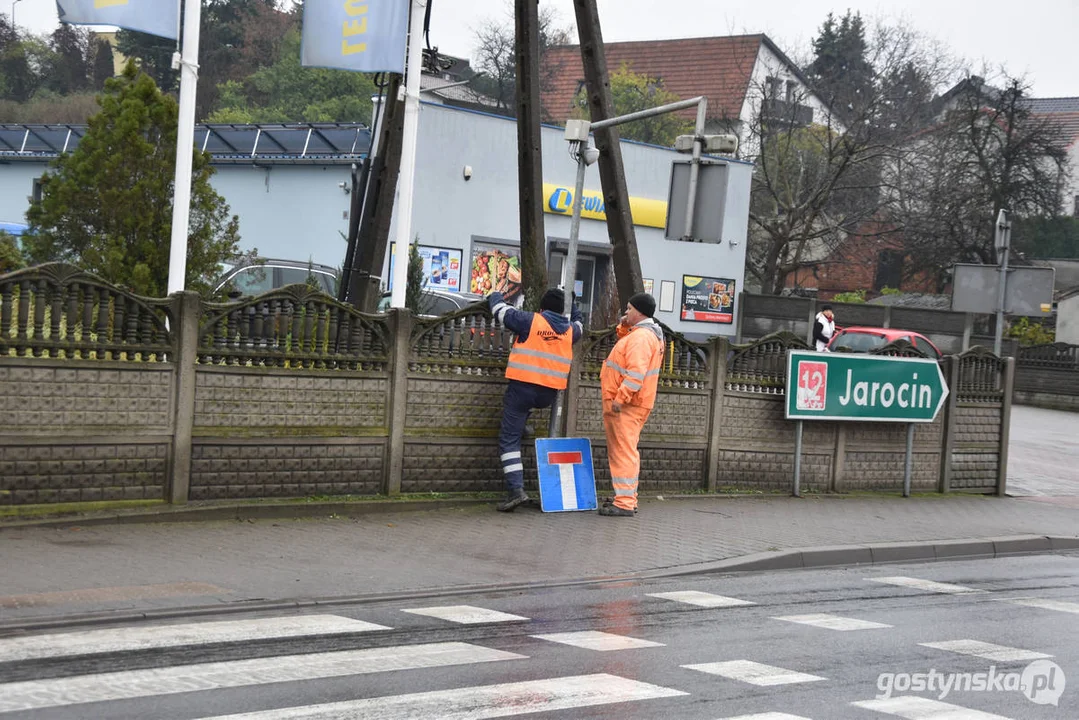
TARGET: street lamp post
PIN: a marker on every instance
(13, 4)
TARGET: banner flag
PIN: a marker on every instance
(359, 35)
(156, 17)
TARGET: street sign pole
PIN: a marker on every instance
(910, 460)
(1004, 239)
(797, 492)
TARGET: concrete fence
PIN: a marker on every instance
(110, 396)
(1048, 376)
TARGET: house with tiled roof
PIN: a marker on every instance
(738, 74)
(1064, 113)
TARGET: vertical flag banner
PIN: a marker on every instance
(360, 35)
(156, 17)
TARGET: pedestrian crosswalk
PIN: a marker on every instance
(375, 649)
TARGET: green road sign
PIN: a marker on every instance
(844, 386)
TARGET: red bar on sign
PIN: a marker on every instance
(565, 458)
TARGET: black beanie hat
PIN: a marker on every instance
(553, 300)
(644, 303)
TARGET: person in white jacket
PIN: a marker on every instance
(823, 328)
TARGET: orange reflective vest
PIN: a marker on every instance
(630, 375)
(544, 358)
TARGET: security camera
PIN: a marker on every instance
(590, 155)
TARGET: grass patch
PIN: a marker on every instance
(50, 509)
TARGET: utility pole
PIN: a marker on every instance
(372, 240)
(529, 153)
(612, 174)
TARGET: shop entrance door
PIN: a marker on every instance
(585, 285)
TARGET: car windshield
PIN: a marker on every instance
(859, 341)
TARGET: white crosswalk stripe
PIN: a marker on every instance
(595, 640)
(465, 614)
(919, 708)
(474, 703)
(767, 716)
(155, 637)
(754, 673)
(34, 694)
(701, 599)
(832, 622)
(927, 585)
(1058, 605)
(989, 651)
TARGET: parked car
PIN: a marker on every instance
(254, 276)
(864, 339)
(435, 303)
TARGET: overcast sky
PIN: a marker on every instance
(1035, 37)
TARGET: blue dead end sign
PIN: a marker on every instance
(566, 479)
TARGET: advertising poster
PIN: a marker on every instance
(441, 267)
(706, 299)
(495, 267)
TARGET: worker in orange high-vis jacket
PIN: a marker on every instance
(538, 367)
(628, 384)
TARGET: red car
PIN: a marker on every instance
(864, 339)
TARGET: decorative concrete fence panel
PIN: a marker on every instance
(1048, 376)
(86, 390)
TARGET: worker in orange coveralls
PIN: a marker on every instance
(628, 385)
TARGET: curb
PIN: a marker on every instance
(880, 553)
(795, 559)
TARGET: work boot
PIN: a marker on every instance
(615, 511)
(513, 499)
(608, 502)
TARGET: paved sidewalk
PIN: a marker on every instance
(51, 574)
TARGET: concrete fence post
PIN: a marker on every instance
(1005, 425)
(401, 322)
(720, 349)
(944, 480)
(573, 388)
(186, 308)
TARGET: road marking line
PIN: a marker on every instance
(107, 687)
(465, 614)
(703, 599)
(595, 640)
(989, 651)
(832, 622)
(768, 716)
(473, 703)
(928, 585)
(1059, 605)
(92, 642)
(919, 708)
(754, 673)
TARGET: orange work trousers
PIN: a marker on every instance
(623, 432)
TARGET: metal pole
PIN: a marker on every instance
(910, 460)
(650, 112)
(407, 179)
(1003, 234)
(13, 4)
(569, 276)
(695, 167)
(798, 459)
(185, 141)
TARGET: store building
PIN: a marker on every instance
(290, 188)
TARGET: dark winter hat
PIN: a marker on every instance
(553, 300)
(826, 308)
(644, 303)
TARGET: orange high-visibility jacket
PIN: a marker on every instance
(630, 375)
(544, 358)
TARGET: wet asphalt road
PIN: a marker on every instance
(534, 674)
